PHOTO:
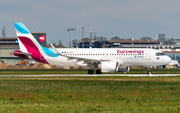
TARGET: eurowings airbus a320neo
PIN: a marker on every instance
(103, 59)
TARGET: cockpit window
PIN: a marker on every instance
(160, 54)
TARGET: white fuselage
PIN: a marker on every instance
(105, 59)
(124, 56)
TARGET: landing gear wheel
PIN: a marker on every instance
(98, 72)
(149, 72)
(90, 71)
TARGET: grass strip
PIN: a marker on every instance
(89, 94)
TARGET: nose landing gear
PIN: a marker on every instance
(149, 71)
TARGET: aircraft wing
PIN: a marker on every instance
(85, 59)
(79, 58)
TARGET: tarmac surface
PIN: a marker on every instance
(95, 75)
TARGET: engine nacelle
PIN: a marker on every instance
(112, 66)
(109, 66)
(81, 63)
(123, 69)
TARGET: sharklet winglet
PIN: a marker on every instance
(55, 50)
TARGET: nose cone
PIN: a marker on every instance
(167, 60)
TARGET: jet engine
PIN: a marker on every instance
(109, 66)
(112, 66)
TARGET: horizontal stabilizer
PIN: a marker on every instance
(22, 53)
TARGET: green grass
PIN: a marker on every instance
(41, 71)
(81, 71)
(89, 94)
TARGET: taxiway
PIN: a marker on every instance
(95, 75)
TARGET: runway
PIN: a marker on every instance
(95, 75)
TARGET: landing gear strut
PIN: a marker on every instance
(149, 71)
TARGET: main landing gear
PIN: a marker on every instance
(98, 71)
(92, 72)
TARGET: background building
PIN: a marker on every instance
(9, 44)
(160, 38)
(175, 41)
(40, 37)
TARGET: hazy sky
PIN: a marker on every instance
(123, 18)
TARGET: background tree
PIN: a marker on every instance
(85, 39)
(146, 38)
(101, 38)
(60, 44)
(116, 38)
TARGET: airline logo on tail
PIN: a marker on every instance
(28, 44)
(42, 38)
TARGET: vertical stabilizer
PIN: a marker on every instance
(28, 43)
(22, 32)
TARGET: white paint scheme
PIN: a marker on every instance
(67, 59)
(106, 59)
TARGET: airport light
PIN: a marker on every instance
(83, 37)
(71, 29)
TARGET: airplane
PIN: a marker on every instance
(104, 59)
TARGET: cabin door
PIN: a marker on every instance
(147, 55)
